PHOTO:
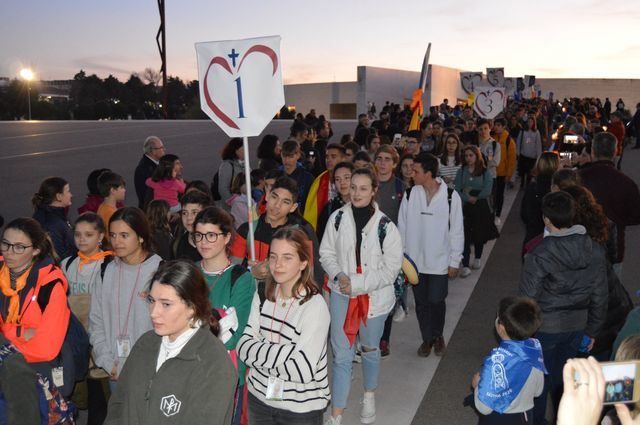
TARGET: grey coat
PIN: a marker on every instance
(195, 387)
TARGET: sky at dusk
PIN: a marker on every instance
(326, 40)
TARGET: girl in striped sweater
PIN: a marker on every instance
(285, 341)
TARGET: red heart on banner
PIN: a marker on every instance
(224, 63)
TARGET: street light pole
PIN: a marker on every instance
(27, 75)
(29, 97)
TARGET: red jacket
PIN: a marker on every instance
(617, 128)
(47, 285)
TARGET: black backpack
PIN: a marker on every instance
(215, 183)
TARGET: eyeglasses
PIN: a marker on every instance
(16, 248)
(211, 237)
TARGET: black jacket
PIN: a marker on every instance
(531, 208)
(567, 275)
(54, 221)
(144, 170)
(617, 193)
(195, 387)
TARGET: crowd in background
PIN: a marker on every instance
(197, 307)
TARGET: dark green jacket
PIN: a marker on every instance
(195, 387)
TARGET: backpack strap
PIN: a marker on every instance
(103, 266)
(338, 219)
(236, 271)
(382, 230)
(71, 260)
(449, 196)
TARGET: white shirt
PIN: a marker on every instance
(169, 350)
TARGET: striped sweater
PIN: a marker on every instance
(289, 343)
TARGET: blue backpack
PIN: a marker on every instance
(54, 409)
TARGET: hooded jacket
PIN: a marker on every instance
(196, 387)
(566, 275)
(46, 284)
(507, 165)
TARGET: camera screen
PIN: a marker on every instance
(619, 382)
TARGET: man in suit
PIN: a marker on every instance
(153, 151)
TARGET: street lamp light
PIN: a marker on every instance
(27, 75)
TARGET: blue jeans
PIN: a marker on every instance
(557, 348)
(343, 353)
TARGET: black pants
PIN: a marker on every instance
(466, 254)
(430, 293)
(386, 333)
(525, 165)
(498, 194)
(262, 414)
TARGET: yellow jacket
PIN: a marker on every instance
(507, 165)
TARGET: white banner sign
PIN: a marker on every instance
(510, 86)
(470, 80)
(241, 83)
(489, 101)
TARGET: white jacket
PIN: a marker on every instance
(379, 271)
(432, 235)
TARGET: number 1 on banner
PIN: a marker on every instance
(240, 105)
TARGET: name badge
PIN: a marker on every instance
(275, 388)
(123, 345)
(57, 373)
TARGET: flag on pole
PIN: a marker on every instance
(417, 105)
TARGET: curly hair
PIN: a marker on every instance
(589, 213)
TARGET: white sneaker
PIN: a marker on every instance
(399, 315)
(368, 412)
(476, 264)
(334, 421)
(466, 271)
(497, 221)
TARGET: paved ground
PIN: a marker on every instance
(412, 390)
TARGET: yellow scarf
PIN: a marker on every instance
(91, 258)
(14, 294)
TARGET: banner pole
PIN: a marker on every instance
(247, 176)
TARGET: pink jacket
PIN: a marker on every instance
(167, 190)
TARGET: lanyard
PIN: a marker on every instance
(122, 330)
(283, 320)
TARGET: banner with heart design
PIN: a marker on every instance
(241, 83)
(495, 77)
(489, 101)
(470, 80)
(510, 86)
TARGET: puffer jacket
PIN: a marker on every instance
(567, 275)
(379, 271)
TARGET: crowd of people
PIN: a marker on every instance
(199, 309)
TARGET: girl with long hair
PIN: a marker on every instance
(118, 315)
(341, 178)
(361, 277)
(529, 148)
(179, 372)
(451, 159)
(405, 170)
(473, 184)
(284, 343)
(231, 287)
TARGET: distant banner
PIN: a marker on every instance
(470, 80)
(495, 77)
(489, 101)
(529, 80)
(510, 86)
